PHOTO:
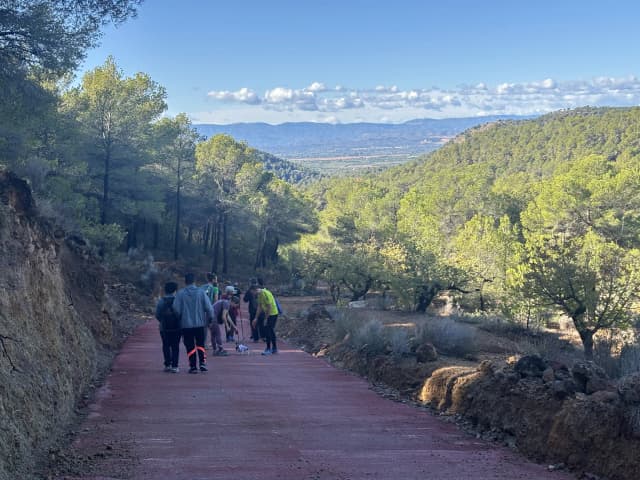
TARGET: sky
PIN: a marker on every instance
(344, 61)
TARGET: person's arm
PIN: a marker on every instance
(177, 305)
(158, 308)
(228, 322)
(258, 312)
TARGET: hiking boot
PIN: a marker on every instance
(274, 351)
(203, 368)
(267, 351)
(221, 353)
(175, 369)
(167, 368)
(193, 370)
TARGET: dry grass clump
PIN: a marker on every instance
(448, 336)
(629, 359)
(399, 342)
(616, 356)
(504, 328)
(549, 346)
(370, 337)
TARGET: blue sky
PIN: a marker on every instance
(379, 61)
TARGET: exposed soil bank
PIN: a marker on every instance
(60, 323)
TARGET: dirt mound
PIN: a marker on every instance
(585, 428)
(59, 324)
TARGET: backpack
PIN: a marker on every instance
(169, 320)
(278, 305)
(211, 291)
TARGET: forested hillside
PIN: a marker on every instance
(526, 219)
(107, 165)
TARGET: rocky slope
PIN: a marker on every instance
(59, 324)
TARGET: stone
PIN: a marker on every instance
(589, 377)
(548, 375)
(426, 353)
(531, 366)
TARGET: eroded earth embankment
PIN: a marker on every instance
(59, 326)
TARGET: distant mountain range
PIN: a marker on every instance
(330, 147)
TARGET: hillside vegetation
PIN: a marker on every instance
(528, 220)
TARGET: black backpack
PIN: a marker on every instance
(169, 319)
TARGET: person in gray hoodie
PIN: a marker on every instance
(195, 311)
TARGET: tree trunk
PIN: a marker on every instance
(225, 243)
(426, 294)
(205, 239)
(587, 342)
(357, 294)
(105, 187)
(143, 230)
(335, 292)
(156, 235)
(274, 251)
(176, 234)
(216, 247)
(132, 235)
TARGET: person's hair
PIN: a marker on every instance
(211, 277)
(235, 300)
(189, 278)
(170, 287)
(260, 281)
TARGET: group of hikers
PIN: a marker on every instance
(197, 312)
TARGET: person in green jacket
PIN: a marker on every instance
(267, 305)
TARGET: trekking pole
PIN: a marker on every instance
(241, 323)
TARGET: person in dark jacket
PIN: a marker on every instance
(251, 297)
(170, 331)
(195, 310)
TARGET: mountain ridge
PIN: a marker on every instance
(327, 147)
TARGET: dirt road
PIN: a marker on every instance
(287, 416)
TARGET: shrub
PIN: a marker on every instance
(105, 239)
(343, 322)
(370, 338)
(617, 357)
(502, 328)
(548, 346)
(629, 359)
(399, 341)
(448, 336)
(604, 355)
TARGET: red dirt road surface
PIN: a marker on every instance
(287, 416)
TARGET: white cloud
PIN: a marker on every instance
(244, 95)
(316, 102)
(316, 87)
(278, 95)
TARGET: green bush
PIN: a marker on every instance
(104, 239)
